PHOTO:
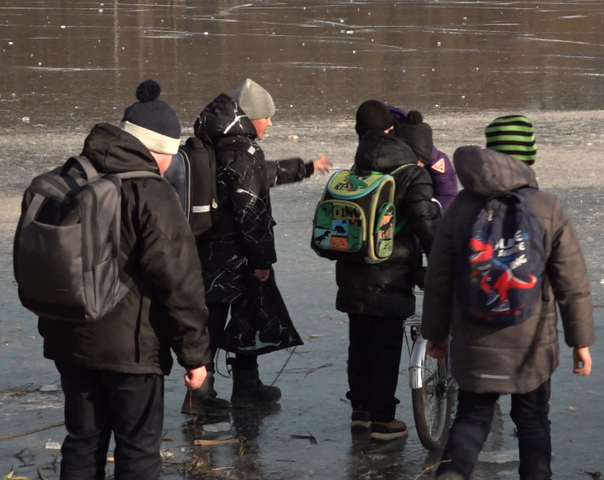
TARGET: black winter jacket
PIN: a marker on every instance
(386, 289)
(242, 237)
(165, 309)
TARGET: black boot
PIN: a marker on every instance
(249, 391)
(205, 400)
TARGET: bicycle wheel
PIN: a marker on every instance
(432, 404)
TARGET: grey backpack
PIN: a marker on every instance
(66, 249)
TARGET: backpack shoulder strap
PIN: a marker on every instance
(32, 210)
(402, 167)
(139, 174)
(195, 143)
(89, 170)
(402, 222)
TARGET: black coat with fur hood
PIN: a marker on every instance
(386, 289)
(241, 238)
(165, 309)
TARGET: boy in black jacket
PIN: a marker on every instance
(378, 297)
(112, 371)
(241, 243)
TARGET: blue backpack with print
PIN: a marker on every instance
(502, 268)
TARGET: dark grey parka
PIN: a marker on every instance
(515, 359)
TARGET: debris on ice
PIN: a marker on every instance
(499, 457)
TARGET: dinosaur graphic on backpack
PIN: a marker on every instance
(496, 290)
(503, 267)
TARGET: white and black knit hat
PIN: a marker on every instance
(152, 121)
(254, 100)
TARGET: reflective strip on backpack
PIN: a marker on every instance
(201, 208)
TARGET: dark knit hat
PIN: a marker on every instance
(152, 121)
(254, 100)
(417, 134)
(513, 135)
(373, 115)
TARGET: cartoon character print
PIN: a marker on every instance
(354, 183)
(496, 289)
(385, 230)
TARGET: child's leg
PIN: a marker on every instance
(468, 433)
(530, 414)
(387, 342)
(359, 361)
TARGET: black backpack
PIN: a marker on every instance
(192, 173)
(67, 244)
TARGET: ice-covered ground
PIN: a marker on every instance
(69, 64)
(569, 164)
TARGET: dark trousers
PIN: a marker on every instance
(374, 356)
(473, 423)
(217, 320)
(98, 403)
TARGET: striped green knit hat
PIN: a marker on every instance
(513, 135)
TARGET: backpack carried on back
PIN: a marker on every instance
(67, 244)
(355, 218)
(192, 173)
(502, 268)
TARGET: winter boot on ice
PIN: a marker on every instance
(388, 431)
(360, 420)
(249, 391)
(205, 400)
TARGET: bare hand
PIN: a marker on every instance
(195, 377)
(581, 361)
(437, 350)
(262, 275)
(321, 164)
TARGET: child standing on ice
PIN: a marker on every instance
(488, 360)
(379, 297)
(418, 135)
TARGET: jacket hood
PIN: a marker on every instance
(223, 117)
(112, 150)
(379, 151)
(487, 172)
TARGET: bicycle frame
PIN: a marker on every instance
(417, 354)
(416, 360)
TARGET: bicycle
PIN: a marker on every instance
(431, 388)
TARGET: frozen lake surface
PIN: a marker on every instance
(461, 63)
